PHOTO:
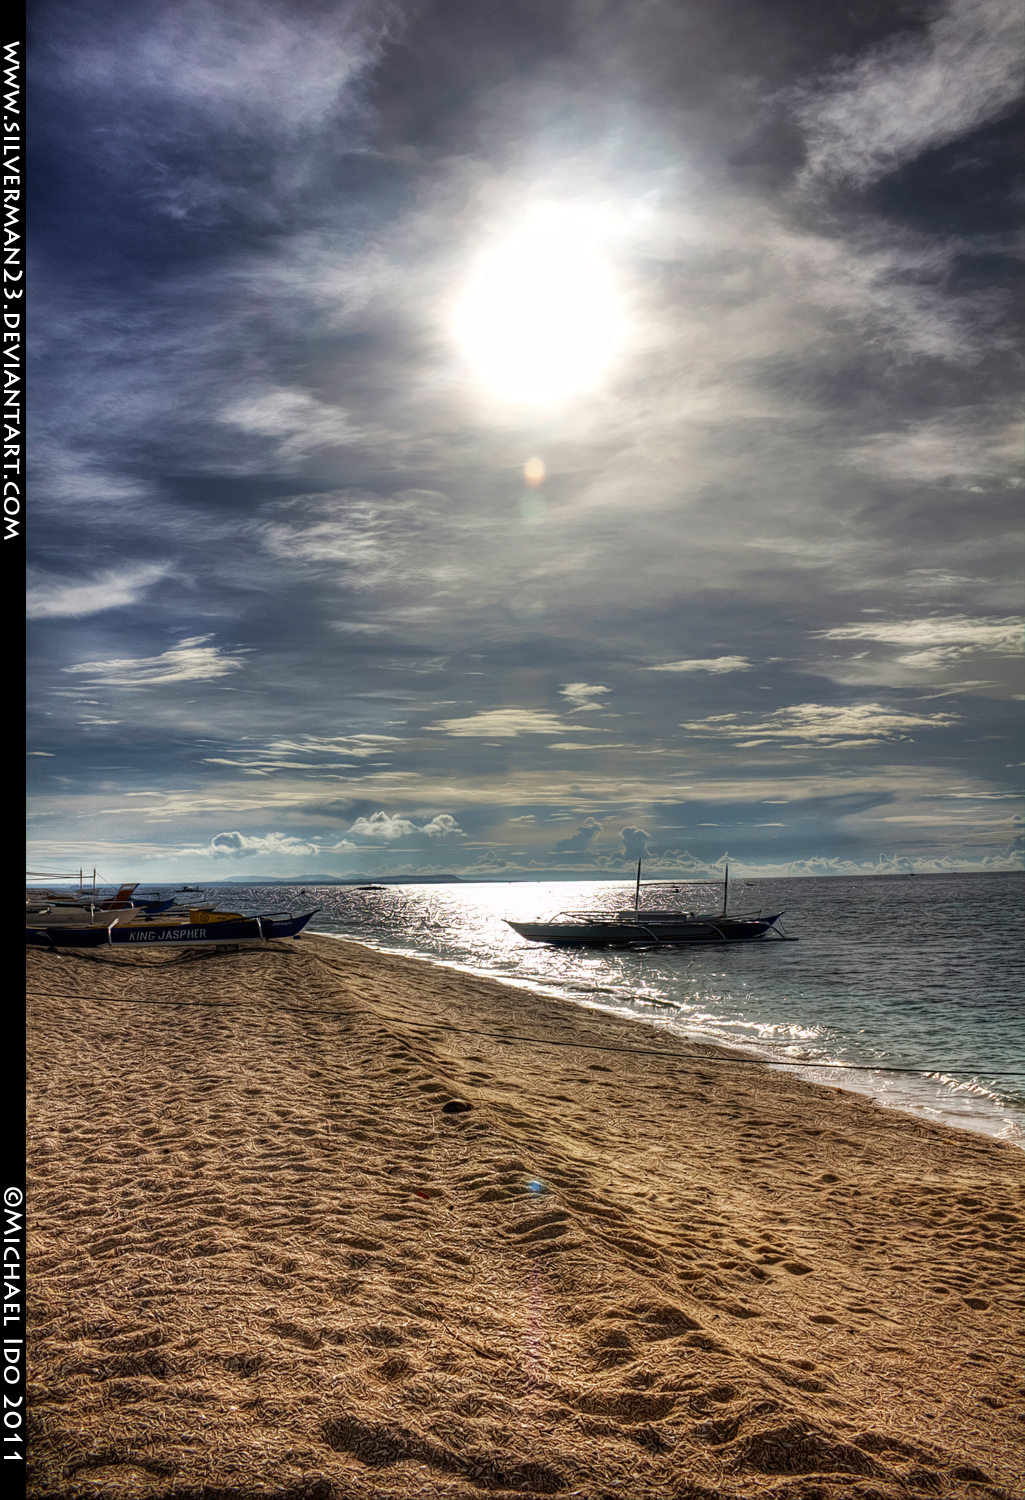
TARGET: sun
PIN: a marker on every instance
(540, 318)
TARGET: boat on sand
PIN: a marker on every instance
(85, 898)
(195, 927)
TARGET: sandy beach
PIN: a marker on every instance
(271, 1255)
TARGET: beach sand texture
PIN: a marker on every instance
(266, 1261)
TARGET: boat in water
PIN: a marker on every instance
(194, 927)
(653, 928)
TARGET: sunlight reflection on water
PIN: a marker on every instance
(921, 973)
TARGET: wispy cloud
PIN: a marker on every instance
(915, 652)
(51, 598)
(816, 724)
(260, 76)
(226, 58)
(191, 660)
(504, 723)
(583, 695)
(1006, 636)
(373, 537)
(962, 448)
(714, 664)
(357, 745)
(298, 422)
(871, 115)
(319, 753)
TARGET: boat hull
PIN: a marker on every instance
(639, 934)
(168, 934)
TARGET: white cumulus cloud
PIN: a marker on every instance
(382, 825)
(390, 826)
(241, 846)
(441, 826)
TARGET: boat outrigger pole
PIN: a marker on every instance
(637, 892)
(725, 889)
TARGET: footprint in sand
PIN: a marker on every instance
(396, 1367)
(127, 1477)
(613, 1347)
(297, 1333)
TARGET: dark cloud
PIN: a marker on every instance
(581, 841)
(635, 843)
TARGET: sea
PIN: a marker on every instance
(908, 989)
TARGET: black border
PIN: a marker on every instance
(13, 1438)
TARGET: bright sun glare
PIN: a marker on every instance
(540, 317)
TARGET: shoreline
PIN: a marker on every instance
(994, 1120)
(267, 1258)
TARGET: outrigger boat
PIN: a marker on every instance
(124, 899)
(639, 929)
(38, 902)
(197, 926)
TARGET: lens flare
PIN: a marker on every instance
(540, 318)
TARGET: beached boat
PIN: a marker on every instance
(34, 902)
(120, 901)
(640, 928)
(198, 926)
(89, 898)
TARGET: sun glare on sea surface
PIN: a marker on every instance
(540, 317)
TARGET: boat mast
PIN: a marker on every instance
(725, 889)
(637, 892)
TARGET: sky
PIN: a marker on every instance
(514, 437)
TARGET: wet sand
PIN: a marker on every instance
(266, 1260)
